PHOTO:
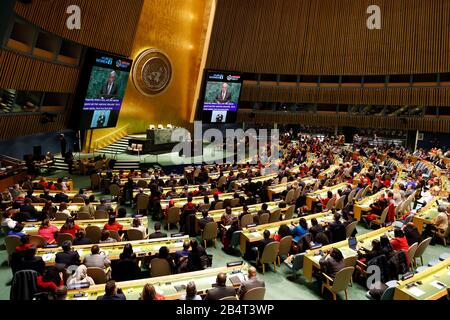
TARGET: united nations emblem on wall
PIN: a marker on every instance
(152, 72)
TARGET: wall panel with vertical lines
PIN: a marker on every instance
(330, 37)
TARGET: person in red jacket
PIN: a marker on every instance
(399, 242)
(70, 227)
(113, 225)
(50, 281)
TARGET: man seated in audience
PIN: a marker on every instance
(221, 290)
(81, 239)
(46, 195)
(214, 202)
(112, 292)
(157, 234)
(87, 207)
(96, 258)
(27, 212)
(29, 261)
(337, 229)
(183, 253)
(103, 206)
(17, 231)
(68, 257)
(32, 198)
(106, 237)
(204, 220)
(251, 283)
(61, 197)
(264, 242)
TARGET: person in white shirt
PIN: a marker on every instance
(138, 226)
(7, 221)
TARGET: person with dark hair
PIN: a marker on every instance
(8, 222)
(227, 217)
(399, 242)
(283, 231)
(29, 261)
(70, 227)
(112, 292)
(137, 225)
(103, 206)
(264, 242)
(28, 209)
(47, 231)
(164, 253)
(68, 257)
(50, 280)
(126, 268)
(196, 258)
(300, 230)
(87, 207)
(96, 258)
(412, 233)
(332, 262)
(204, 220)
(25, 243)
(366, 255)
(183, 253)
(214, 202)
(191, 292)
(321, 238)
(149, 293)
(80, 238)
(106, 237)
(221, 290)
(113, 225)
(337, 229)
(315, 228)
(157, 234)
(122, 212)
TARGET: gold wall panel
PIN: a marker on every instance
(177, 28)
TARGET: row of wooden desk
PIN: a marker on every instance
(171, 287)
(32, 228)
(140, 247)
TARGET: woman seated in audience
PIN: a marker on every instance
(399, 242)
(411, 233)
(321, 238)
(81, 239)
(191, 292)
(324, 201)
(50, 280)
(386, 246)
(47, 231)
(227, 218)
(80, 277)
(70, 227)
(149, 293)
(17, 231)
(106, 237)
(126, 268)
(332, 262)
(48, 211)
(122, 213)
(283, 231)
(164, 253)
(196, 257)
(300, 230)
(113, 225)
(63, 209)
(138, 226)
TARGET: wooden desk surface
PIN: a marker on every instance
(312, 258)
(70, 194)
(428, 213)
(32, 228)
(165, 285)
(75, 207)
(113, 250)
(180, 202)
(236, 211)
(364, 204)
(430, 289)
(255, 234)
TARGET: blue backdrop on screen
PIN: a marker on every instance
(108, 77)
(222, 92)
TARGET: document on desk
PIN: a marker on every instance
(416, 291)
(255, 234)
(47, 257)
(438, 285)
(80, 252)
(137, 249)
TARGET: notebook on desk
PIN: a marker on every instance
(352, 242)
